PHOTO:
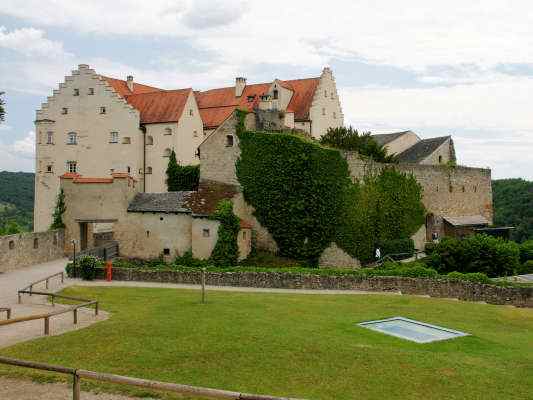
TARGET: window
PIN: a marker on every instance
(205, 232)
(229, 141)
(323, 111)
(332, 95)
(126, 140)
(49, 137)
(49, 169)
(440, 159)
(147, 233)
(195, 133)
(325, 93)
(437, 188)
(91, 91)
(149, 140)
(197, 154)
(334, 115)
(166, 252)
(451, 188)
(72, 138)
(251, 98)
(276, 94)
(475, 189)
(168, 131)
(103, 110)
(464, 189)
(64, 110)
(76, 92)
(72, 167)
(113, 137)
(190, 112)
(148, 170)
(244, 234)
(129, 170)
(11, 245)
(167, 153)
(36, 243)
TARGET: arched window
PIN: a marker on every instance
(72, 138)
(168, 131)
(167, 152)
(149, 140)
(148, 170)
(276, 94)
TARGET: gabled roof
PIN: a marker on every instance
(161, 106)
(217, 104)
(171, 202)
(421, 150)
(383, 139)
(121, 87)
(205, 201)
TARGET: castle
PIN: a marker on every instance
(106, 141)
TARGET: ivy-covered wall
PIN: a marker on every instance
(303, 194)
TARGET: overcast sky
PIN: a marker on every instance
(457, 67)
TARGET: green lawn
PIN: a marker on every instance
(305, 346)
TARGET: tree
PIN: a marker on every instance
(59, 211)
(172, 173)
(226, 251)
(349, 139)
(10, 228)
(2, 110)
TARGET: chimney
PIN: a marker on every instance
(129, 82)
(240, 84)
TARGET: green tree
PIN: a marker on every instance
(2, 109)
(10, 228)
(59, 210)
(350, 139)
(172, 173)
(226, 251)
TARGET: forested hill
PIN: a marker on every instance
(513, 205)
(16, 199)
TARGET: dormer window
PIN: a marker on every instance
(64, 110)
(276, 94)
(76, 92)
(103, 110)
(251, 98)
(72, 138)
(265, 97)
(91, 91)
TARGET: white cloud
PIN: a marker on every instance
(18, 156)
(204, 14)
(30, 42)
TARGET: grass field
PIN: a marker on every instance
(305, 346)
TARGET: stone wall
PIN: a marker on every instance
(516, 296)
(25, 249)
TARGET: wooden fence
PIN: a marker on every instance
(78, 374)
(46, 316)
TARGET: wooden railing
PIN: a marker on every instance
(46, 316)
(78, 374)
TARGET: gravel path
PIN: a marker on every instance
(15, 389)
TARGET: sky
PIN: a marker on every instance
(460, 68)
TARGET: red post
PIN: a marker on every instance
(109, 271)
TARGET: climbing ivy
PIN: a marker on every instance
(302, 193)
(226, 251)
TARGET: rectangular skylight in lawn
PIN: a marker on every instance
(412, 330)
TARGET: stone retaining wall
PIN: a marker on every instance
(516, 296)
(25, 249)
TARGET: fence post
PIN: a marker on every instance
(75, 316)
(96, 308)
(47, 326)
(203, 285)
(75, 387)
(62, 277)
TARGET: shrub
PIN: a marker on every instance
(398, 248)
(410, 270)
(69, 270)
(477, 253)
(429, 248)
(525, 268)
(477, 277)
(187, 260)
(526, 251)
(88, 265)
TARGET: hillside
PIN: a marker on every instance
(513, 205)
(16, 198)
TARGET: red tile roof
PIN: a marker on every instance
(217, 104)
(245, 224)
(121, 87)
(162, 106)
